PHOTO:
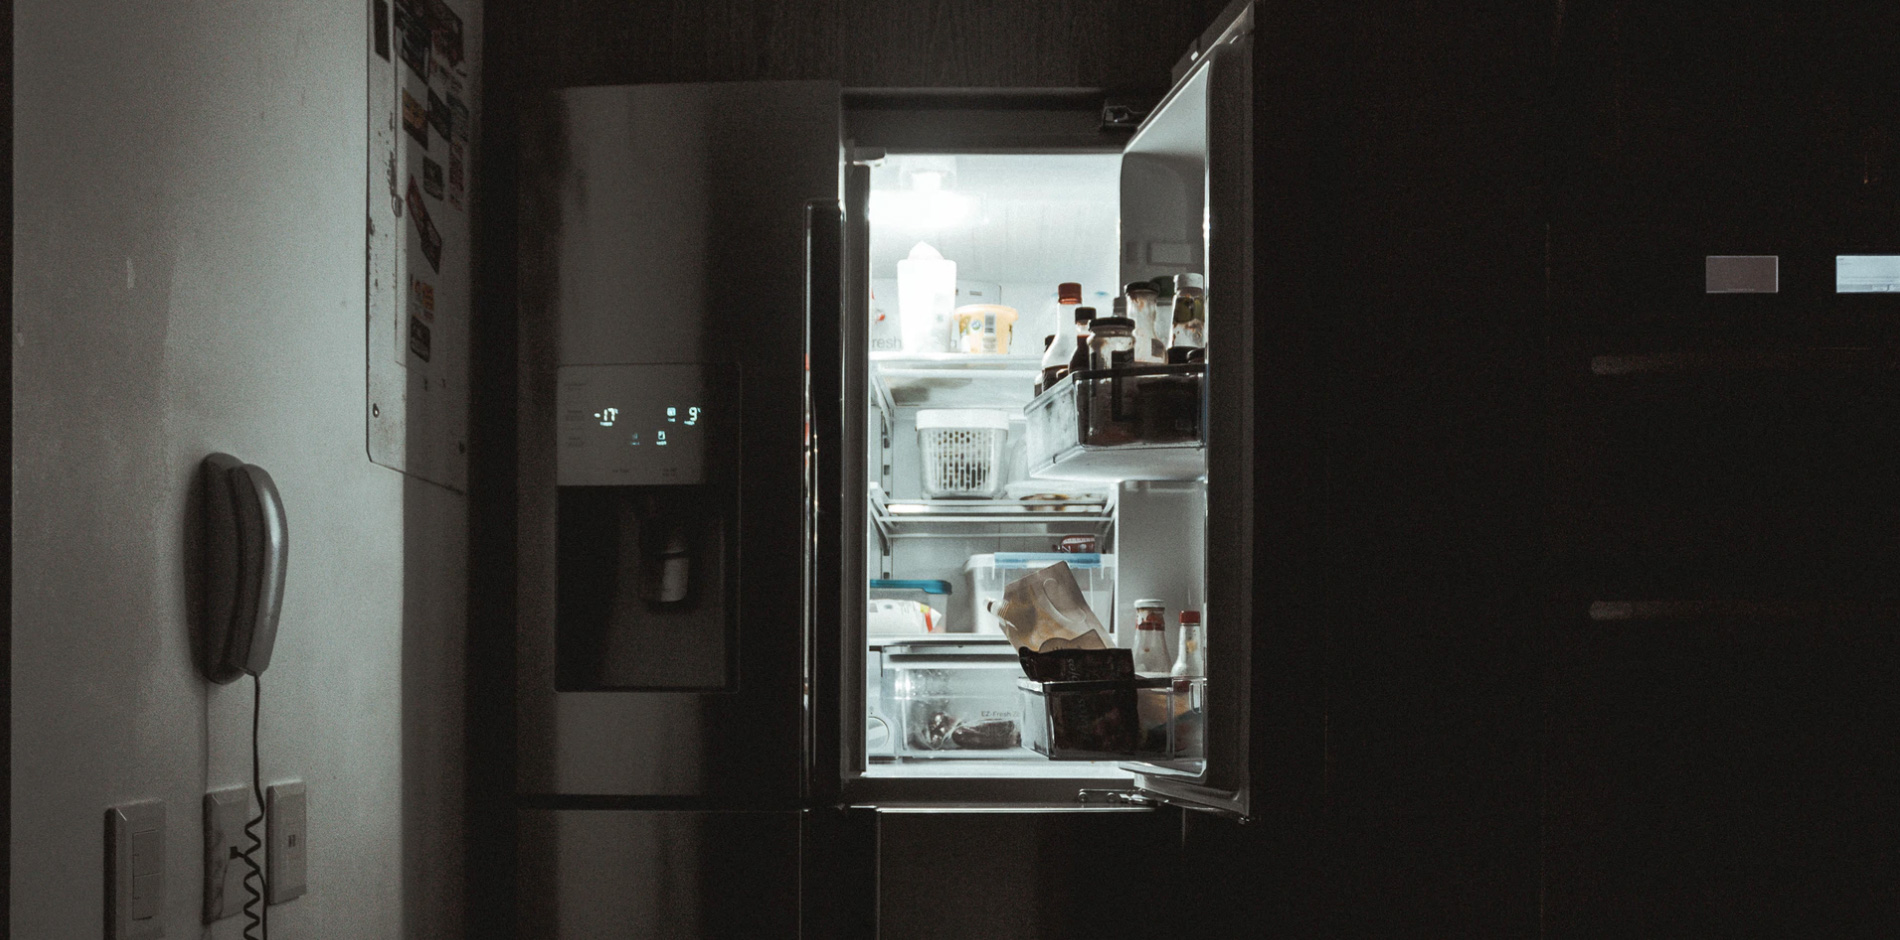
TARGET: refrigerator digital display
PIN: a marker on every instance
(634, 425)
(1866, 274)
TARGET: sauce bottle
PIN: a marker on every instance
(1056, 359)
(1151, 638)
(1084, 325)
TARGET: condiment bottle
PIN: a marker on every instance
(1192, 662)
(1062, 313)
(1112, 343)
(1150, 336)
(1190, 313)
(1048, 343)
(1151, 638)
(1084, 325)
(1056, 359)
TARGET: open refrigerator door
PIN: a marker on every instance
(999, 489)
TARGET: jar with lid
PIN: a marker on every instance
(1111, 343)
(1151, 638)
(1190, 313)
(1149, 336)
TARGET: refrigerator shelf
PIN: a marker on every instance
(1000, 518)
(961, 380)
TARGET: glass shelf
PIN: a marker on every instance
(957, 380)
(1003, 518)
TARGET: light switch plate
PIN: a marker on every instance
(289, 841)
(135, 870)
(1741, 274)
(226, 812)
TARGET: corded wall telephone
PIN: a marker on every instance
(246, 540)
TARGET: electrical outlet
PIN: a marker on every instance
(135, 870)
(289, 841)
(226, 812)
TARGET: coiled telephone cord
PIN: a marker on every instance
(256, 888)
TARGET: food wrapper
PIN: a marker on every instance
(1045, 610)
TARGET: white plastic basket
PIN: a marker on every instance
(961, 451)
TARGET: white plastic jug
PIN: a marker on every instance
(926, 293)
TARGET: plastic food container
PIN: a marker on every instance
(982, 328)
(900, 606)
(989, 574)
(961, 451)
(953, 701)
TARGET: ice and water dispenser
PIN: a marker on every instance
(647, 527)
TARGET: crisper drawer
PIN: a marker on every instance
(1139, 423)
(953, 701)
(1155, 719)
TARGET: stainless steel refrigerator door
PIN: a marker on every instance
(664, 258)
(1187, 199)
(626, 875)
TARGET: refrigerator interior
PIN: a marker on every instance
(1015, 226)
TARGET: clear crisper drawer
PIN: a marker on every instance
(953, 701)
(1159, 719)
(1139, 423)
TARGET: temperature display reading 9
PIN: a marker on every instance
(633, 425)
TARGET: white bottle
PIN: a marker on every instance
(1151, 639)
(926, 294)
(1192, 663)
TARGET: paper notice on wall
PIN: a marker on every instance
(421, 135)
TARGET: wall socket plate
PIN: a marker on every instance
(226, 811)
(289, 841)
(135, 870)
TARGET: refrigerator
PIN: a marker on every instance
(729, 457)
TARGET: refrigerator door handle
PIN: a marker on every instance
(825, 445)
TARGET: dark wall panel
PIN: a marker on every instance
(1121, 44)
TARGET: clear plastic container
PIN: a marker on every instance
(989, 574)
(953, 701)
(1142, 423)
(906, 606)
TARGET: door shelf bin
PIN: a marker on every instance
(1110, 719)
(1140, 423)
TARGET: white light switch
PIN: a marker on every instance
(135, 870)
(289, 842)
(225, 813)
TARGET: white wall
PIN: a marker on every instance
(189, 186)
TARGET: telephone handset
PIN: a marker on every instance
(246, 541)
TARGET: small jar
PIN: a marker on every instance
(1190, 313)
(1111, 343)
(1151, 638)
(1151, 335)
